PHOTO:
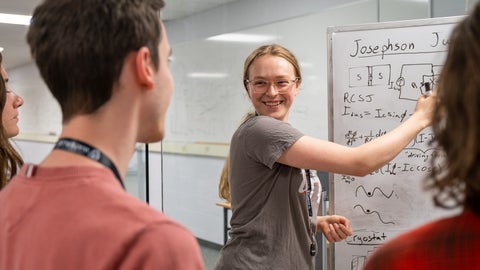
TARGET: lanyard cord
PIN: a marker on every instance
(86, 150)
(313, 249)
(309, 191)
(309, 183)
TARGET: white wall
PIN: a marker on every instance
(190, 181)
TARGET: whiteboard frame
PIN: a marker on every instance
(331, 31)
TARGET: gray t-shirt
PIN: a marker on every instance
(270, 222)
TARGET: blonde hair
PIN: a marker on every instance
(224, 184)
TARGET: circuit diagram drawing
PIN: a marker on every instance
(413, 78)
(410, 82)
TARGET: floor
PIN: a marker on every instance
(210, 254)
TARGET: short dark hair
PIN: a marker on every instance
(80, 46)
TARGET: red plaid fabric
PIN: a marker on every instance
(450, 243)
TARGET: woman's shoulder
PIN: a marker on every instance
(266, 127)
(265, 122)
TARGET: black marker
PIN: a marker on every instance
(428, 90)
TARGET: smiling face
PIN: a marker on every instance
(10, 110)
(272, 68)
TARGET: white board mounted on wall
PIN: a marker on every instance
(376, 74)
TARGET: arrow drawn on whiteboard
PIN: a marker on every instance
(419, 149)
(368, 212)
(370, 194)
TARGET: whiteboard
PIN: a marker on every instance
(209, 109)
(376, 73)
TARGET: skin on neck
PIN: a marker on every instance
(108, 134)
(112, 129)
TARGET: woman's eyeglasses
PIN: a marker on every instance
(282, 86)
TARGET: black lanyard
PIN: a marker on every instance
(313, 249)
(309, 191)
(81, 148)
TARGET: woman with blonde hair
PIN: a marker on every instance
(273, 184)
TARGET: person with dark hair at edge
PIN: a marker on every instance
(451, 242)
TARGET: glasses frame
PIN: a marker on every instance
(274, 83)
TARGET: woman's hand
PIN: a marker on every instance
(335, 228)
(425, 106)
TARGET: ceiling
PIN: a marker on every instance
(12, 37)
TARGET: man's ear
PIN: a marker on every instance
(144, 67)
